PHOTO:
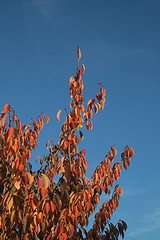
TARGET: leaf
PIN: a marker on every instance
(58, 115)
(63, 236)
(124, 225)
(47, 144)
(10, 203)
(46, 181)
(31, 178)
(17, 185)
(40, 182)
(83, 152)
(81, 135)
(79, 54)
(53, 207)
(10, 132)
(83, 68)
(12, 216)
(37, 158)
(6, 108)
(43, 192)
(47, 118)
(47, 207)
(65, 144)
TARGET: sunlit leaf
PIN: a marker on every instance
(10, 132)
(43, 191)
(79, 54)
(17, 185)
(6, 108)
(46, 181)
(47, 118)
(58, 115)
(10, 203)
(40, 182)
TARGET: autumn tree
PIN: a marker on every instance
(33, 205)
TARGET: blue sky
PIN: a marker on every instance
(120, 42)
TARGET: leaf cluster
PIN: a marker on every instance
(33, 204)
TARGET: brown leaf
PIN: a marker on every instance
(81, 135)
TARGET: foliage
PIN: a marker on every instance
(35, 206)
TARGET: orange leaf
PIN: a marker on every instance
(53, 207)
(47, 207)
(40, 182)
(40, 216)
(17, 185)
(86, 164)
(6, 108)
(47, 118)
(43, 191)
(83, 152)
(12, 216)
(65, 144)
(10, 132)
(58, 115)
(79, 54)
(46, 180)
(21, 167)
(63, 236)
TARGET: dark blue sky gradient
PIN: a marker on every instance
(120, 43)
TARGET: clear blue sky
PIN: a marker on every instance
(120, 42)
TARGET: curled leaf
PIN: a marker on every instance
(47, 144)
(47, 118)
(58, 115)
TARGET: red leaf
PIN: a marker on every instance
(83, 152)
